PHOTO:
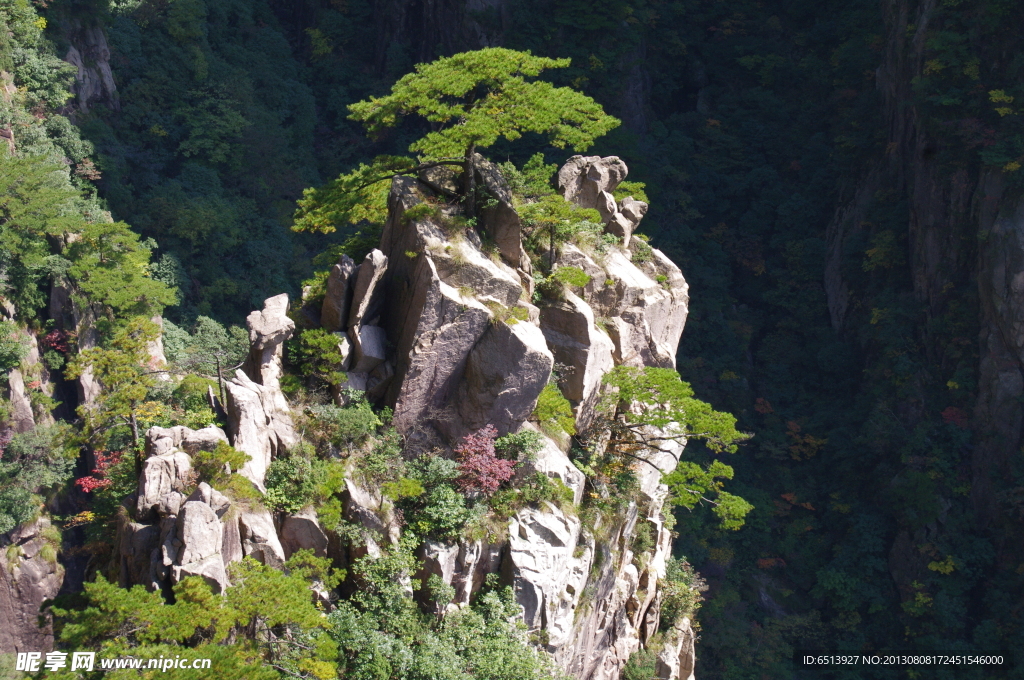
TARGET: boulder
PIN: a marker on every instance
(643, 317)
(22, 418)
(210, 568)
(367, 292)
(504, 375)
(369, 347)
(441, 179)
(259, 537)
(161, 475)
(583, 178)
(338, 298)
(438, 330)
(268, 330)
(576, 342)
(438, 559)
(231, 543)
(160, 440)
(572, 174)
(218, 502)
(463, 265)
(200, 532)
(302, 531)
(475, 561)
(433, 316)
(259, 423)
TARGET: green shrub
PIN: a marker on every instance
(441, 515)
(344, 426)
(299, 479)
(644, 538)
(523, 445)
(216, 467)
(292, 483)
(642, 665)
(402, 488)
(634, 189)
(418, 212)
(533, 181)
(317, 354)
(536, 489)
(571, 276)
(32, 462)
(682, 591)
(431, 470)
(53, 359)
(383, 462)
(641, 251)
(12, 350)
(503, 314)
(191, 394)
(553, 411)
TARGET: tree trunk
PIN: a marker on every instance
(135, 444)
(220, 382)
(469, 183)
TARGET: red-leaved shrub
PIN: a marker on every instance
(482, 470)
(98, 479)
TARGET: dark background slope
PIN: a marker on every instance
(826, 173)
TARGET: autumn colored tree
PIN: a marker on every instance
(481, 469)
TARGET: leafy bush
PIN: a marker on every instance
(634, 189)
(296, 481)
(208, 342)
(682, 591)
(441, 514)
(536, 489)
(192, 394)
(12, 350)
(522, 445)
(533, 181)
(53, 359)
(381, 633)
(405, 487)
(571, 276)
(216, 467)
(481, 471)
(553, 411)
(642, 665)
(344, 426)
(642, 252)
(317, 354)
(383, 462)
(31, 462)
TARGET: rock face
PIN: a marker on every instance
(268, 329)
(89, 53)
(462, 360)
(259, 423)
(29, 575)
(440, 329)
(338, 299)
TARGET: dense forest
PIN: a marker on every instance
(839, 183)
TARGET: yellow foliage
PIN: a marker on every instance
(946, 566)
